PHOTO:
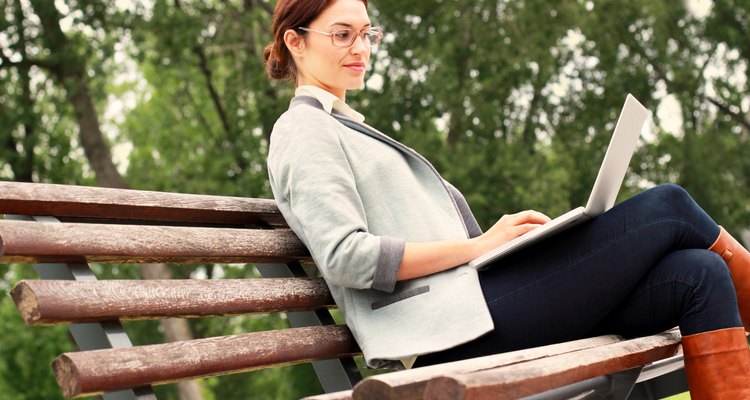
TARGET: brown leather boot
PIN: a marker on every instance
(738, 261)
(717, 365)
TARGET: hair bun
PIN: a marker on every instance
(272, 62)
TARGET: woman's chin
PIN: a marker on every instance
(356, 84)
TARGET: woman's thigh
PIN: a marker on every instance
(565, 286)
(571, 281)
(691, 288)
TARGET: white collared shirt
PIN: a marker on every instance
(329, 101)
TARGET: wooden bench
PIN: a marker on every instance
(63, 228)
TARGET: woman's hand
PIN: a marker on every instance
(427, 258)
(509, 227)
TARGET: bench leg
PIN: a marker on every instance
(663, 386)
(661, 379)
(623, 383)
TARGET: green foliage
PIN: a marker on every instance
(38, 140)
(185, 137)
(26, 352)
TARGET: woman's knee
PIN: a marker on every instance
(709, 272)
(702, 275)
(672, 205)
(668, 195)
(713, 304)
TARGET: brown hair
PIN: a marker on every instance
(290, 14)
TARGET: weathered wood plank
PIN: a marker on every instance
(48, 302)
(343, 395)
(24, 241)
(411, 384)
(95, 202)
(91, 372)
(519, 380)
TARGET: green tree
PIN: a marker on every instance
(22, 375)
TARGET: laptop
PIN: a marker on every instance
(603, 195)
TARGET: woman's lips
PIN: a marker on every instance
(359, 67)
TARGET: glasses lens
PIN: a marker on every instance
(372, 37)
(345, 37)
(342, 37)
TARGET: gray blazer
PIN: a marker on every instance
(354, 196)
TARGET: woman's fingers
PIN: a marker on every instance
(524, 217)
(522, 229)
(510, 227)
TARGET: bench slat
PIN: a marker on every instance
(95, 202)
(513, 382)
(24, 241)
(92, 372)
(411, 384)
(342, 395)
(48, 302)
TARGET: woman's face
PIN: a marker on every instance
(326, 66)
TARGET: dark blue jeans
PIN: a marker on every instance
(639, 269)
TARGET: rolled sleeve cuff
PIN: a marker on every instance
(389, 261)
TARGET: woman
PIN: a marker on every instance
(392, 238)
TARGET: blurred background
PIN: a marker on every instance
(513, 102)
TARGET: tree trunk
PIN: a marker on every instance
(70, 71)
(94, 145)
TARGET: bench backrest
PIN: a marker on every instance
(129, 226)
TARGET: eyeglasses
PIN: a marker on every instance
(345, 37)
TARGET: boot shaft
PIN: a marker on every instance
(717, 364)
(737, 259)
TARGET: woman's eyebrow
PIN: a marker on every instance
(348, 25)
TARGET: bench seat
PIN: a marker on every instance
(518, 374)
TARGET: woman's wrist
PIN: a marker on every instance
(476, 247)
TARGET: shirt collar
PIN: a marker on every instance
(329, 101)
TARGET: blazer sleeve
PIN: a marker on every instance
(316, 191)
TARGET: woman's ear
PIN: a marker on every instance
(294, 42)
